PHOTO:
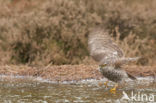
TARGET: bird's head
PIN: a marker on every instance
(103, 65)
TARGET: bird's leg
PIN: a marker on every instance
(106, 83)
(113, 90)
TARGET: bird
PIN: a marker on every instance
(109, 56)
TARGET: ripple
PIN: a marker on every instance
(25, 89)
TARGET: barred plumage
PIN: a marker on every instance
(106, 52)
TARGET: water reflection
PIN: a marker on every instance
(28, 90)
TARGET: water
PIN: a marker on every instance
(36, 90)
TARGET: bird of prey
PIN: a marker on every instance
(109, 56)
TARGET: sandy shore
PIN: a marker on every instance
(70, 72)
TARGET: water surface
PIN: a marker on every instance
(35, 90)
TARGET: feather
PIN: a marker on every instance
(104, 50)
(131, 76)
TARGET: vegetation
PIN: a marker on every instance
(46, 32)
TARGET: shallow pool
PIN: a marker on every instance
(35, 90)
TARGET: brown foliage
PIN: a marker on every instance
(56, 31)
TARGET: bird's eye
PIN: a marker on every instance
(103, 65)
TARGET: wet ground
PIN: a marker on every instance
(36, 90)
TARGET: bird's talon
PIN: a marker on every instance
(106, 84)
(113, 90)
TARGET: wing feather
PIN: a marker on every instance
(102, 48)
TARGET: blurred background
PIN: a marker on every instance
(42, 32)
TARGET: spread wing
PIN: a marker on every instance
(102, 48)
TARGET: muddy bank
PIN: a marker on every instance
(70, 72)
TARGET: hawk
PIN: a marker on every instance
(109, 56)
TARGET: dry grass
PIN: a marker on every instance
(56, 31)
(70, 72)
(133, 46)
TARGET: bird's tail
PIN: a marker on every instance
(131, 76)
(129, 59)
(117, 61)
(122, 61)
